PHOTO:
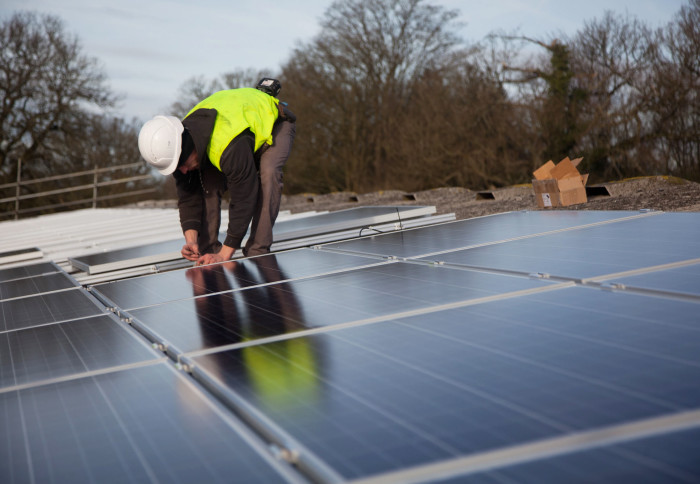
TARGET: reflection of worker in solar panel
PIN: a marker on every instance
(236, 140)
(273, 369)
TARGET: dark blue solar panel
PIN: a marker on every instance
(392, 376)
(593, 251)
(454, 383)
(28, 270)
(477, 231)
(64, 349)
(197, 281)
(47, 308)
(36, 285)
(206, 322)
(141, 425)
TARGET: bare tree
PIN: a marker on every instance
(554, 98)
(89, 142)
(672, 93)
(352, 82)
(611, 57)
(46, 82)
(459, 129)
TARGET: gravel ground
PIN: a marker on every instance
(656, 193)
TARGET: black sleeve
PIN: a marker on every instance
(189, 200)
(238, 165)
(288, 114)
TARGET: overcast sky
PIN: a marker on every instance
(148, 48)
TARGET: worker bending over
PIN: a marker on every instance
(236, 140)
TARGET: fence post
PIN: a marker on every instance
(94, 188)
(18, 186)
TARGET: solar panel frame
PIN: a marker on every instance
(129, 257)
(659, 458)
(675, 280)
(347, 219)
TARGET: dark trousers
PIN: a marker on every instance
(268, 198)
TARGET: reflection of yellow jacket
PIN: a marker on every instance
(238, 110)
(283, 372)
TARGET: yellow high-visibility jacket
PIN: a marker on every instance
(238, 110)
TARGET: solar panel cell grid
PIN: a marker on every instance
(141, 425)
(385, 370)
(197, 281)
(29, 270)
(36, 285)
(47, 308)
(234, 317)
(68, 349)
(589, 252)
(477, 231)
(467, 380)
(666, 458)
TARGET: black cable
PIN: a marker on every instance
(398, 214)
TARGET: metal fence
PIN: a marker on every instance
(93, 186)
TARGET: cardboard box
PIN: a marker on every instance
(559, 185)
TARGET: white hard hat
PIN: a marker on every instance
(160, 143)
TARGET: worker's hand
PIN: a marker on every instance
(190, 252)
(209, 259)
(223, 255)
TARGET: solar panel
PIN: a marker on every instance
(21, 272)
(284, 230)
(477, 231)
(467, 381)
(36, 285)
(346, 219)
(146, 424)
(197, 281)
(429, 354)
(133, 256)
(590, 252)
(72, 348)
(345, 297)
(47, 308)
